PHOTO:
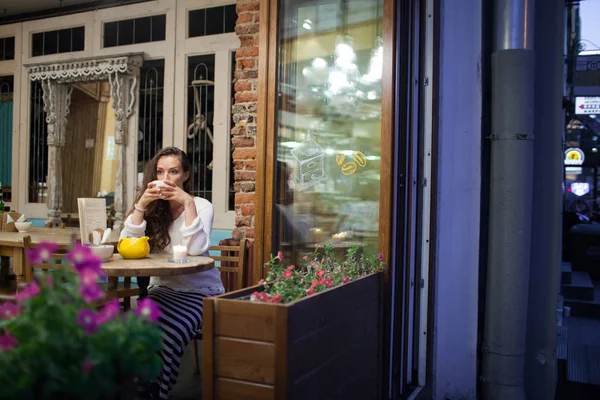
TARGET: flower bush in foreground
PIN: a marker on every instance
(56, 344)
(322, 271)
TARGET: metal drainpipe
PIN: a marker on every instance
(540, 365)
(511, 179)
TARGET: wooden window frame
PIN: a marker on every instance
(266, 133)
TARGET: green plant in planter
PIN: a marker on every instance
(54, 344)
(322, 271)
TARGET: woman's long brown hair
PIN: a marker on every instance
(158, 214)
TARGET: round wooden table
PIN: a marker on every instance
(154, 265)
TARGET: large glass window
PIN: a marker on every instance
(328, 125)
(59, 41)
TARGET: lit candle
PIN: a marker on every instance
(179, 253)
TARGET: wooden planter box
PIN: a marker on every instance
(326, 346)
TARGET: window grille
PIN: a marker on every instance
(38, 148)
(200, 112)
(150, 135)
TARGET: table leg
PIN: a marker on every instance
(4, 271)
(143, 282)
(19, 266)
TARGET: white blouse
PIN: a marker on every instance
(197, 239)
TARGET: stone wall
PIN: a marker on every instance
(244, 117)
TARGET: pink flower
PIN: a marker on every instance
(318, 246)
(310, 291)
(261, 282)
(291, 267)
(320, 273)
(276, 298)
(305, 258)
(87, 366)
(264, 297)
(345, 279)
(9, 310)
(87, 319)
(287, 274)
(280, 255)
(380, 256)
(254, 296)
(27, 292)
(42, 252)
(91, 293)
(321, 281)
(8, 341)
(148, 309)
(109, 311)
(79, 254)
(328, 282)
(314, 284)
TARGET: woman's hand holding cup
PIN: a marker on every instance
(151, 193)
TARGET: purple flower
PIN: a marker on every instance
(87, 366)
(380, 256)
(148, 309)
(88, 277)
(92, 263)
(42, 252)
(79, 254)
(109, 311)
(27, 292)
(91, 293)
(87, 319)
(9, 310)
(8, 341)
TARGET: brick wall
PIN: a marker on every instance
(244, 117)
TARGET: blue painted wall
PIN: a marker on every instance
(6, 116)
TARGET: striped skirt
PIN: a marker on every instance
(180, 321)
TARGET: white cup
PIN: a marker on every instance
(159, 183)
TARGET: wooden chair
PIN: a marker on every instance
(232, 259)
(113, 289)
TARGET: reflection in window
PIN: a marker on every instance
(328, 125)
(200, 114)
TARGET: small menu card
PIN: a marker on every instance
(92, 216)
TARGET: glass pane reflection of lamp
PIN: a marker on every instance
(375, 63)
(344, 74)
